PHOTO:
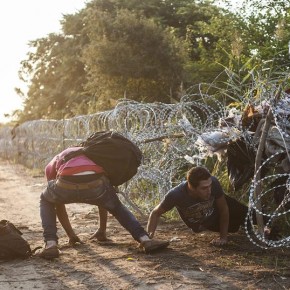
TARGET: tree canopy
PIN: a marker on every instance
(147, 51)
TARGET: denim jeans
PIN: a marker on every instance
(103, 195)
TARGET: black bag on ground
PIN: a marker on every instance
(12, 244)
(119, 156)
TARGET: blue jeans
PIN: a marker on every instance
(103, 195)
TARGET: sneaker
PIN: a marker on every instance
(49, 253)
(154, 245)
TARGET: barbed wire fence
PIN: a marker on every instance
(154, 128)
(167, 134)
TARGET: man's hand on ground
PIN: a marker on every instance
(74, 240)
(219, 241)
(100, 236)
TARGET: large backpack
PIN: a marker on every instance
(119, 156)
(12, 244)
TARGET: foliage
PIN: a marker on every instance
(265, 32)
(131, 56)
(151, 51)
(57, 74)
(146, 51)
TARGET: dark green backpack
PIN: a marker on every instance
(118, 155)
(12, 244)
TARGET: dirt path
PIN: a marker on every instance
(189, 263)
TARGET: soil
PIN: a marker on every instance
(190, 262)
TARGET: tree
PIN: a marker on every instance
(266, 32)
(131, 55)
(55, 73)
(147, 51)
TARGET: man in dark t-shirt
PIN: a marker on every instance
(202, 205)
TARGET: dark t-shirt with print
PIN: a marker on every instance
(196, 214)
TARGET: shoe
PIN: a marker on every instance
(49, 253)
(154, 245)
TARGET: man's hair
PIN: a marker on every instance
(196, 174)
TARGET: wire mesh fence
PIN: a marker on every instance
(172, 137)
(164, 133)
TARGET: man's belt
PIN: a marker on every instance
(88, 185)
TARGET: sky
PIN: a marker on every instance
(20, 22)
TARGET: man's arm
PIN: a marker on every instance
(64, 220)
(154, 219)
(223, 211)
